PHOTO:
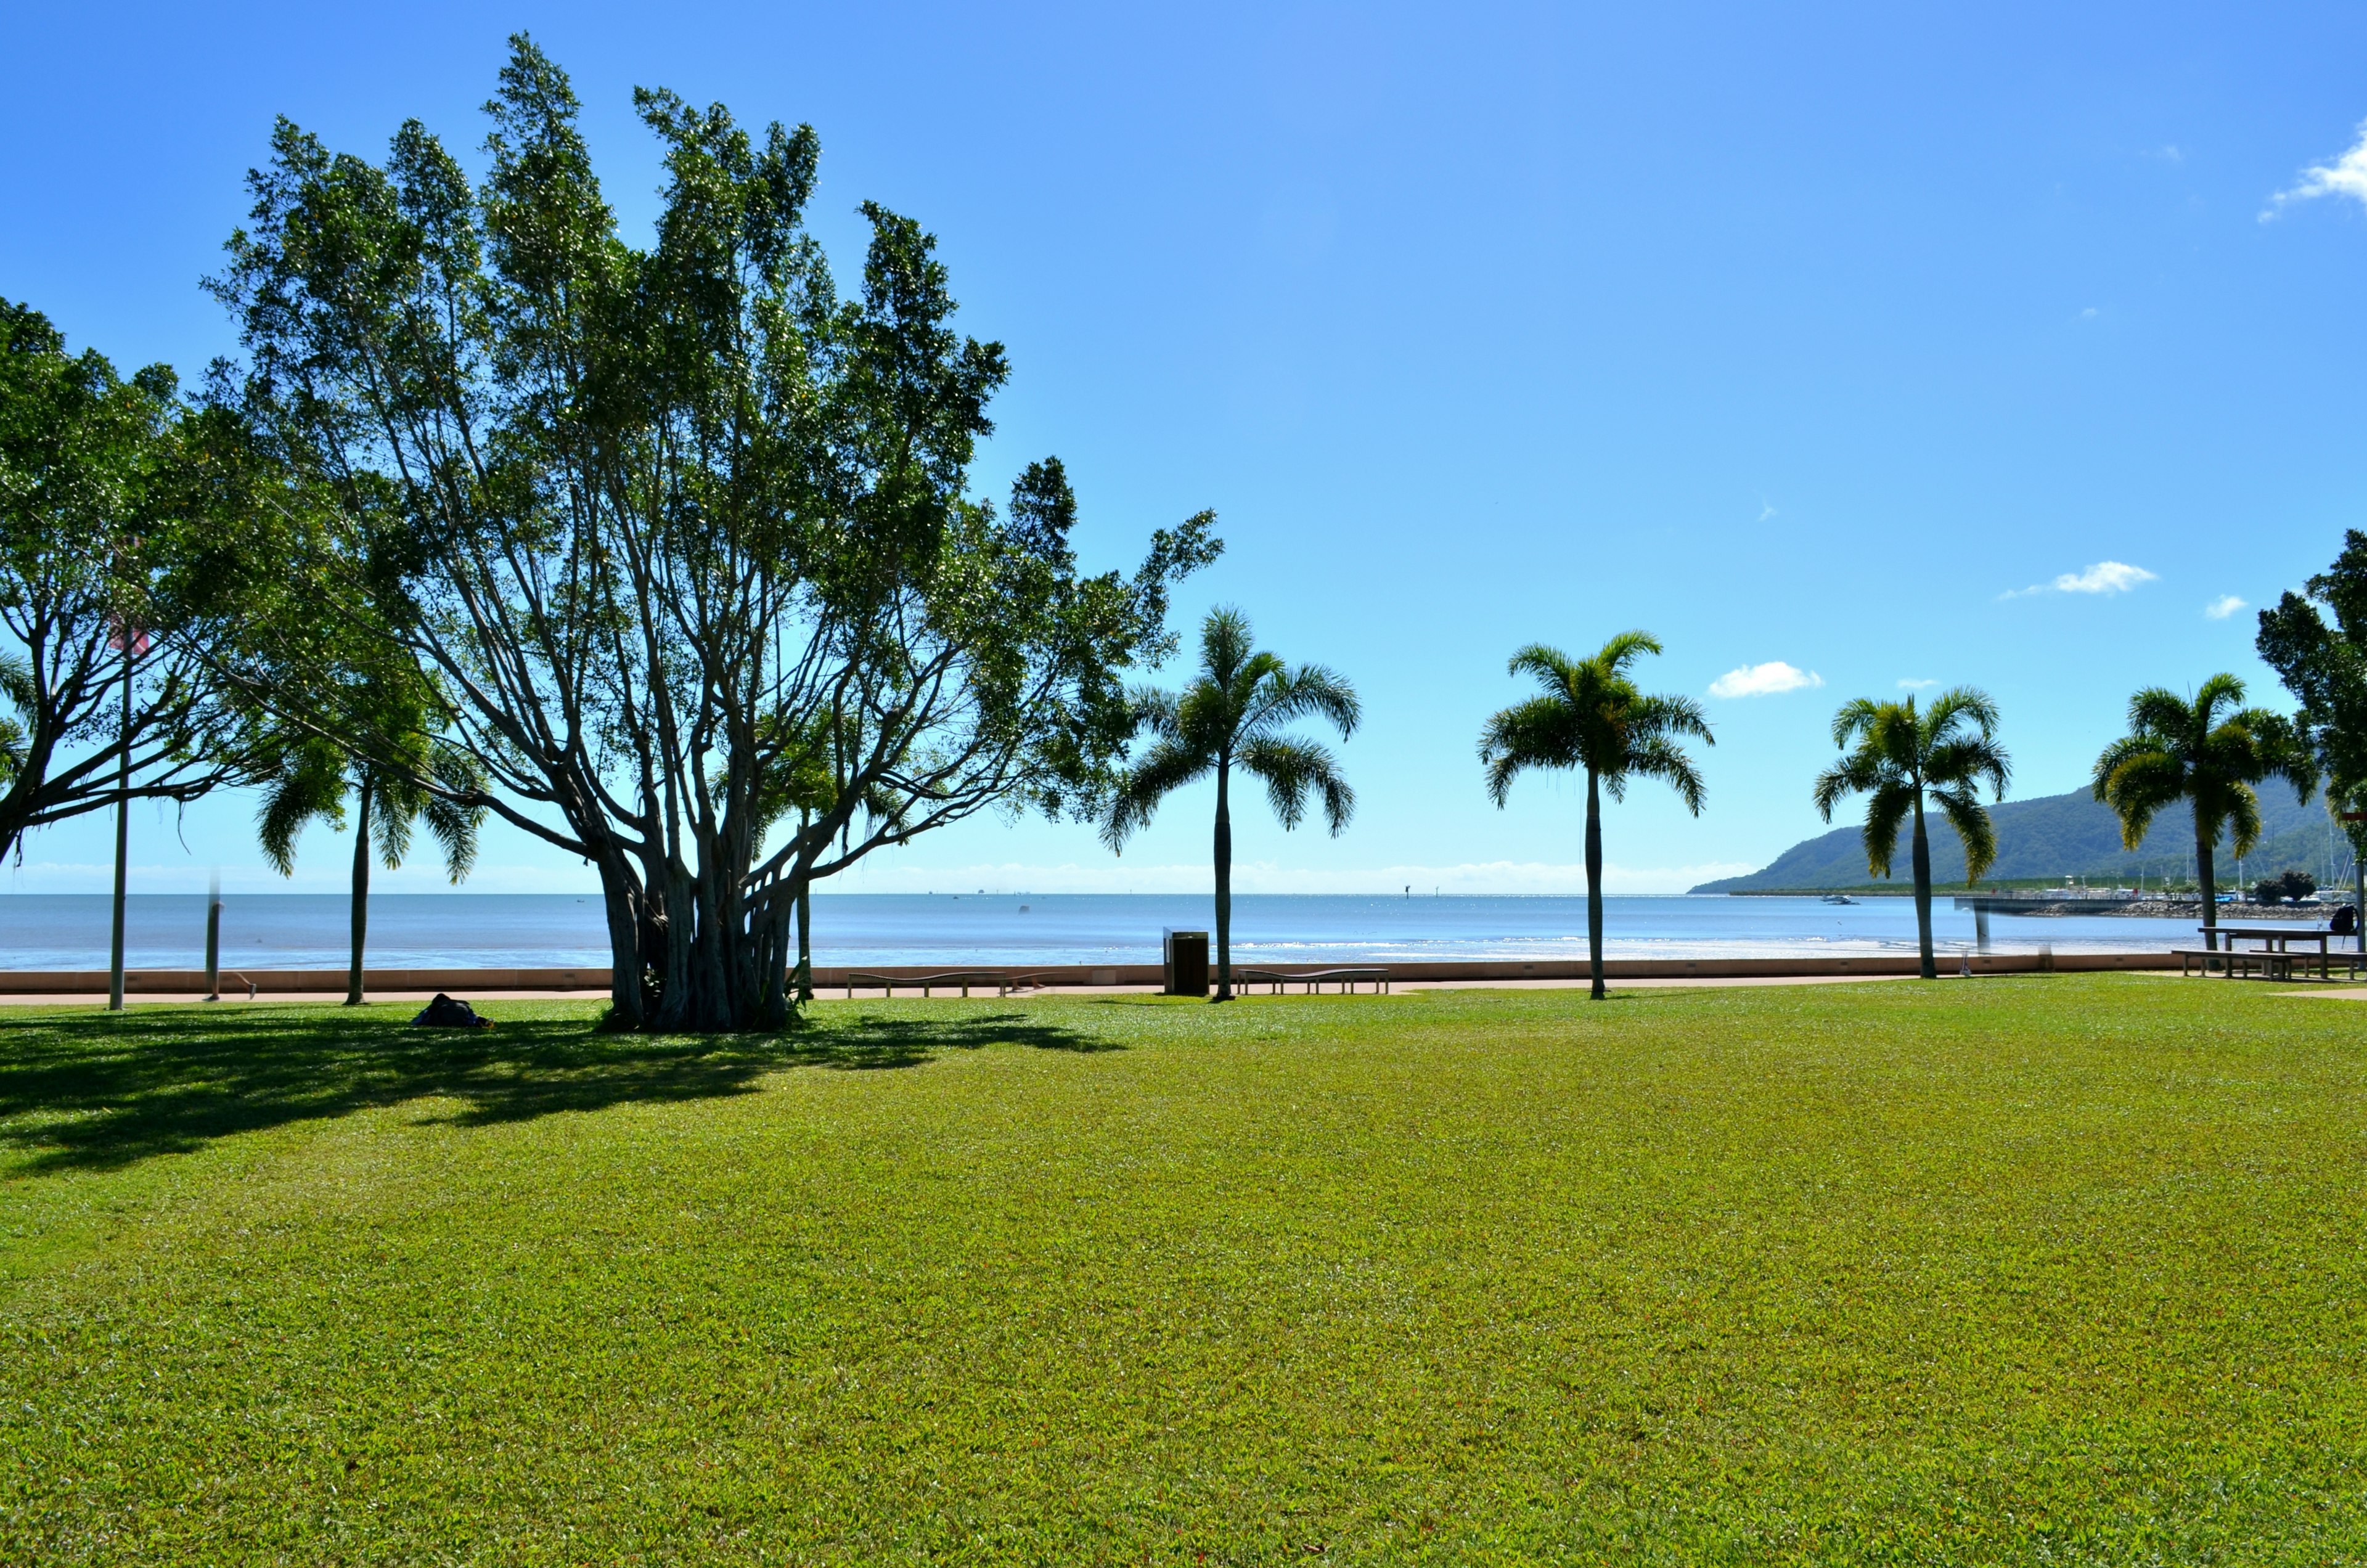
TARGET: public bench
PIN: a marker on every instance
(965, 978)
(1349, 979)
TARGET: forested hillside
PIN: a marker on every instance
(2060, 835)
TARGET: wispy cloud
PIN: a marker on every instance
(2104, 577)
(2219, 609)
(2347, 175)
(1763, 680)
(1909, 684)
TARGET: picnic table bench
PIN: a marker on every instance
(1315, 978)
(2274, 959)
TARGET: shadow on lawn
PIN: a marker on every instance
(96, 1091)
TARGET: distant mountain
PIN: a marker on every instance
(2062, 835)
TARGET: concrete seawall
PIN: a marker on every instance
(581, 982)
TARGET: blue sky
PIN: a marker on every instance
(1873, 343)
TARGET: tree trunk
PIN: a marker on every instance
(1594, 886)
(360, 914)
(622, 902)
(1224, 881)
(805, 941)
(2208, 881)
(1929, 970)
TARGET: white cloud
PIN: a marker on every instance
(2104, 577)
(2347, 175)
(2219, 609)
(1909, 684)
(1763, 680)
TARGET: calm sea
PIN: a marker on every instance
(292, 931)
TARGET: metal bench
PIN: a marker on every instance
(885, 984)
(1315, 978)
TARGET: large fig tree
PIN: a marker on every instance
(685, 542)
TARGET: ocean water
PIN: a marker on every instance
(294, 931)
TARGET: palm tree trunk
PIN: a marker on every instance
(1594, 885)
(2209, 884)
(1929, 970)
(361, 890)
(1224, 881)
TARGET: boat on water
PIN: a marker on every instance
(1836, 898)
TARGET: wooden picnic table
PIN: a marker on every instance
(2275, 952)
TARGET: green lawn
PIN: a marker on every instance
(2052, 1270)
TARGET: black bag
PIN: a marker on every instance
(2345, 921)
(444, 1012)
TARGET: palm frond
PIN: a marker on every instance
(1886, 812)
(1662, 758)
(1166, 767)
(1962, 807)
(1621, 650)
(1290, 768)
(308, 785)
(2143, 779)
(1535, 734)
(1311, 689)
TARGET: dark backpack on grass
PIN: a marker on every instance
(444, 1012)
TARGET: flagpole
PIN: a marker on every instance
(122, 836)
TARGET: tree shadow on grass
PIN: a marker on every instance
(97, 1092)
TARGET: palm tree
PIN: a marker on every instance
(1232, 713)
(2182, 749)
(1592, 717)
(1905, 759)
(311, 781)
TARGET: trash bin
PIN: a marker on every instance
(1186, 961)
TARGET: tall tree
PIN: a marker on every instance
(313, 780)
(1234, 713)
(96, 524)
(666, 528)
(2325, 667)
(2209, 751)
(1592, 717)
(1904, 759)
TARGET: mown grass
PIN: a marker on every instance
(2050, 1269)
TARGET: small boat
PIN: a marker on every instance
(1836, 898)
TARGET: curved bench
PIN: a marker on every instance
(1349, 979)
(965, 978)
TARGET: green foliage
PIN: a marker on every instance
(2040, 841)
(104, 492)
(1592, 718)
(1234, 713)
(2290, 885)
(2007, 1271)
(2325, 667)
(2180, 748)
(1902, 761)
(681, 540)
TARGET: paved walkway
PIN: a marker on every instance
(317, 998)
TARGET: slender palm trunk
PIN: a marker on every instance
(361, 891)
(1594, 885)
(2210, 883)
(1930, 971)
(1224, 880)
